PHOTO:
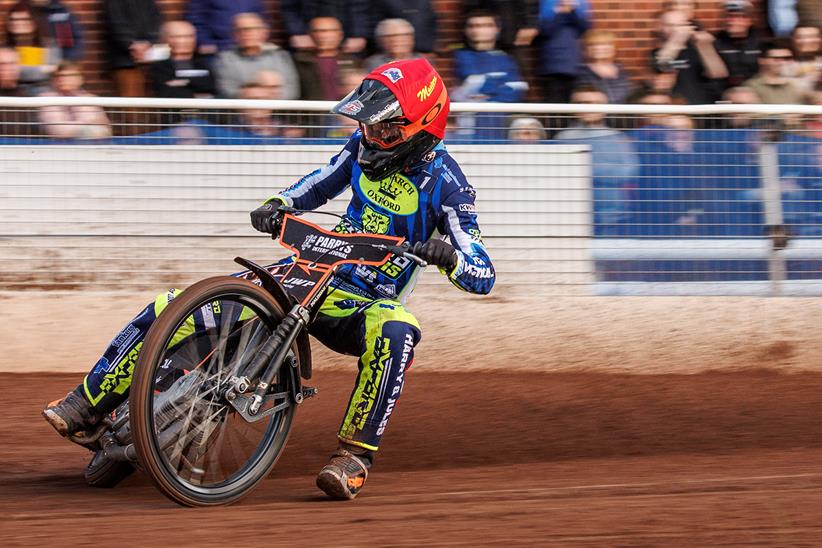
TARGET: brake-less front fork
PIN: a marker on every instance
(269, 360)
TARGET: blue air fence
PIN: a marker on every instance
(721, 199)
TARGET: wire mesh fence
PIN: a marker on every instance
(581, 198)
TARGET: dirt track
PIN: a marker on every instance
(474, 458)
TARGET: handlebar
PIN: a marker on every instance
(297, 212)
(402, 251)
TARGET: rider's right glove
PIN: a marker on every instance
(268, 218)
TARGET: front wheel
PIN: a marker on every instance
(196, 448)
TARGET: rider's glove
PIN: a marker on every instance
(436, 252)
(268, 218)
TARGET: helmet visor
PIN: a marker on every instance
(370, 103)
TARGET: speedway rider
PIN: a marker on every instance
(403, 183)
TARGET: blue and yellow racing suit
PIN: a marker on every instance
(364, 314)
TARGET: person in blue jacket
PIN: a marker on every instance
(213, 20)
(403, 183)
(561, 24)
(485, 74)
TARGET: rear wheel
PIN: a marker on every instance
(104, 472)
(195, 446)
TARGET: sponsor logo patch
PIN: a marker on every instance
(294, 282)
(377, 116)
(468, 208)
(396, 194)
(126, 336)
(393, 74)
(119, 379)
(425, 92)
(395, 266)
(374, 222)
(352, 107)
(368, 394)
(326, 245)
(309, 242)
(482, 272)
(408, 346)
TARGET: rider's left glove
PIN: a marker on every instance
(436, 252)
(268, 218)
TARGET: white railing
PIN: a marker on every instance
(325, 106)
(693, 199)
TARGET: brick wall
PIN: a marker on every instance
(631, 20)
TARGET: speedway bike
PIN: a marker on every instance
(219, 374)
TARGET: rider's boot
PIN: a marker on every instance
(72, 414)
(345, 474)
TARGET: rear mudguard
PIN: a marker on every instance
(270, 284)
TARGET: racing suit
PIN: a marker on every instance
(364, 314)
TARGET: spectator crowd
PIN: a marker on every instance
(512, 51)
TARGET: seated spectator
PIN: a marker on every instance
(740, 95)
(651, 96)
(806, 41)
(272, 83)
(75, 122)
(601, 69)
(614, 160)
(690, 53)
(239, 65)
(738, 43)
(561, 23)
(420, 14)
(259, 122)
(526, 129)
(262, 122)
(517, 20)
(61, 27)
(396, 40)
(343, 126)
(213, 21)
(131, 30)
(662, 81)
(10, 85)
(14, 122)
(183, 75)
(485, 74)
(320, 69)
(770, 83)
(350, 79)
(353, 15)
(680, 138)
(38, 58)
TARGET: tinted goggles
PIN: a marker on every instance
(384, 134)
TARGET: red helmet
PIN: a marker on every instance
(402, 108)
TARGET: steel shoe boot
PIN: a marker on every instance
(344, 476)
(71, 414)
